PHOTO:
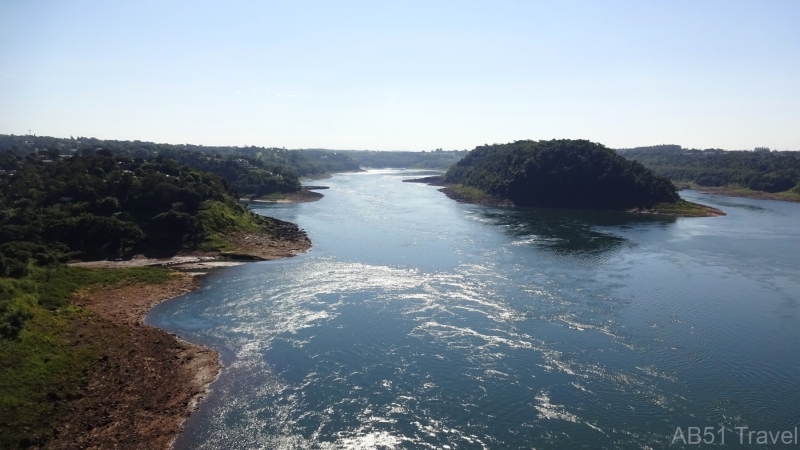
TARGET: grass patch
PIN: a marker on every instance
(469, 192)
(55, 286)
(276, 196)
(219, 219)
(300, 196)
(46, 362)
(40, 370)
(792, 195)
(684, 209)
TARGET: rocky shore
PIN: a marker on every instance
(146, 381)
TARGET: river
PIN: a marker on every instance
(418, 322)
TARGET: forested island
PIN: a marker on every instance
(760, 173)
(562, 174)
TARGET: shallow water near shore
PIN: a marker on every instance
(418, 322)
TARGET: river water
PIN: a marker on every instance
(418, 322)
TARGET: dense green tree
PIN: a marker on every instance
(251, 171)
(99, 205)
(562, 174)
(760, 170)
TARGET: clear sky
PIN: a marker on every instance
(406, 75)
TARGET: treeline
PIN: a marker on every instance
(317, 162)
(105, 206)
(437, 159)
(561, 174)
(248, 176)
(251, 171)
(759, 170)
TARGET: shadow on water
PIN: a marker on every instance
(579, 233)
(740, 205)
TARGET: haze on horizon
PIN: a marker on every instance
(412, 75)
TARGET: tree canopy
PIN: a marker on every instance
(437, 159)
(99, 206)
(251, 171)
(561, 174)
(759, 170)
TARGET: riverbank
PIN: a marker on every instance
(736, 191)
(467, 194)
(680, 208)
(302, 196)
(147, 382)
(286, 240)
(323, 176)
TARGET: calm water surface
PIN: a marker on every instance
(418, 322)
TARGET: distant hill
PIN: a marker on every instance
(436, 159)
(758, 170)
(561, 174)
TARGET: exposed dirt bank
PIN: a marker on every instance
(286, 239)
(147, 381)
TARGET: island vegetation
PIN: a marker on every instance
(760, 173)
(562, 174)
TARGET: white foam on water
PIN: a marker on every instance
(441, 307)
(550, 411)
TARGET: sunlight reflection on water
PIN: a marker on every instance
(418, 322)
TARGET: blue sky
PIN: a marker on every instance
(404, 75)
